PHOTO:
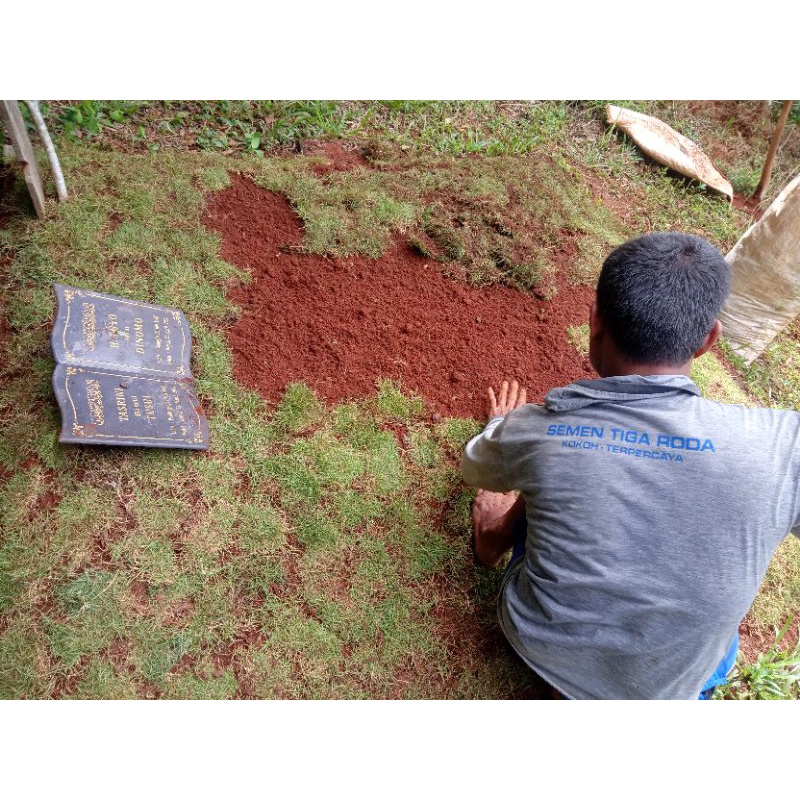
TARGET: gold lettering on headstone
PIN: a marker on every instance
(88, 326)
(113, 330)
(122, 406)
(167, 339)
(94, 396)
(149, 408)
(138, 332)
(167, 402)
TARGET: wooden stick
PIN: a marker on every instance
(766, 173)
(23, 152)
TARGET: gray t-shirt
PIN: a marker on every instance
(652, 517)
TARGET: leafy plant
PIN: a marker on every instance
(775, 675)
(88, 116)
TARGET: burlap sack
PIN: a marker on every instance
(667, 146)
(765, 266)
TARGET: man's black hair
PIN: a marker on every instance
(659, 295)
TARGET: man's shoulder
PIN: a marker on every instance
(529, 414)
(756, 414)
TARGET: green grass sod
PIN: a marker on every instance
(314, 551)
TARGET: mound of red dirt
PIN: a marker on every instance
(339, 324)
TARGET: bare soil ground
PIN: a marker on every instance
(339, 324)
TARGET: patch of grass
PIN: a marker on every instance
(393, 404)
(177, 283)
(716, 383)
(260, 528)
(446, 239)
(745, 177)
(347, 212)
(457, 432)
(427, 552)
(92, 617)
(214, 179)
(424, 450)
(298, 410)
(24, 660)
(334, 463)
(774, 675)
(159, 650)
(355, 508)
(152, 559)
(157, 515)
(384, 464)
(102, 682)
(83, 593)
(190, 687)
(83, 514)
(780, 591)
(315, 529)
(578, 336)
(774, 377)
(526, 275)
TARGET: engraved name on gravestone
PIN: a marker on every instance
(122, 373)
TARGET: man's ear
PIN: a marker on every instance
(596, 336)
(595, 321)
(710, 340)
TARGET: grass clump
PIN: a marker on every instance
(774, 377)
(446, 240)
(91, 604)
(393, 404)
(774, 675)
(102, 682)
(345, 213)
(716, 383)
(578, 336)
(780, 591)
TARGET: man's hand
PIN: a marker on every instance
(510, 398)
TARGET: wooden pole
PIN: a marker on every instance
(15, 128)
(766, 173)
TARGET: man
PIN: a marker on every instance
(646, 514)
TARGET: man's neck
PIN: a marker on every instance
(616, 365)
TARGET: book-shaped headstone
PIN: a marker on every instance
(122, 373)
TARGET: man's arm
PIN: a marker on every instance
(483, 463)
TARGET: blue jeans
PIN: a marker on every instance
(720, 675)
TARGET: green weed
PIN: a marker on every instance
(774, 675)
(578, 336)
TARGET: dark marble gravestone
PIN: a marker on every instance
(122, 373)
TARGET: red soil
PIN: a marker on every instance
(338, 159)
(339, 324)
